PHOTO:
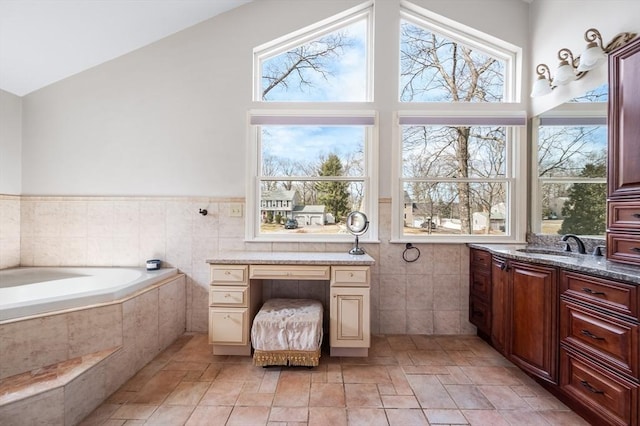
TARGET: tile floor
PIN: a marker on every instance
(406, 380)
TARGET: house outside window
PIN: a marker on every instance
(313, 134)
(460, 136)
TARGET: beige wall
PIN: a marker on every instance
(10, 143)
(9, 231)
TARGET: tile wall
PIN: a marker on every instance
(9, 231)
(429, 296)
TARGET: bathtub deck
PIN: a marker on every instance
(41, 380)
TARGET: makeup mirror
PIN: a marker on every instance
(357, 224)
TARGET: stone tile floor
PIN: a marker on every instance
(406, 380)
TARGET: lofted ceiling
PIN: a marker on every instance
(44, 41)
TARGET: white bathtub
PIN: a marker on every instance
(32, 291)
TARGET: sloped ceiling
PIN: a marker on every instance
(44, 41)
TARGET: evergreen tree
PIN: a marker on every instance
(334, 195)
(585, 210)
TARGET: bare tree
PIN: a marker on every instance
(297, 65)
(439, 69)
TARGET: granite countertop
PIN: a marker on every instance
(586, 263)
(290, 258)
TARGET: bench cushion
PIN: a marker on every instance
(288, 325)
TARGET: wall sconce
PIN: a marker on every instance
(542, 85)
(570, 68)
(594, 54)
(566, 72)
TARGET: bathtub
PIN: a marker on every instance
(30, 291)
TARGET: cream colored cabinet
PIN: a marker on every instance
(349, 322)
(232, 304)
(235, 296)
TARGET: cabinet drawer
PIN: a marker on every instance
(229, 274)
(480, 315)
(350, 276)
(612, 341)
(228, 326)
(480, 258)
(623, 247)
(624, 215)
(609, 396)
(228, 296)
(480, 284)
(617, 297)
(284, 272)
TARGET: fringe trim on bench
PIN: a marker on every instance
(292, 358)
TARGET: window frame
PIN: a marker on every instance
(283, 44)
(313, 113)
(510, 113)
(569, 114)
(359, 117)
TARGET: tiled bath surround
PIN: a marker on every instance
(429, 296)
(118, 339)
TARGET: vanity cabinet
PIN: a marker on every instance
(349, 308)
(599, 345)
(480, 291)
(533, 319)
(235, 296)
(623, 176)
(231, 306)
(500, 282)
(578, 334)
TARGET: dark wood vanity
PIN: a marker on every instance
(623, 174)
(576, 333)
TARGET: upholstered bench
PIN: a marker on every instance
(287, 332)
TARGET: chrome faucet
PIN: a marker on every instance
(581, 248)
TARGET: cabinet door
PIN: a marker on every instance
(349, 317)
(228, 326)
(624, 126)
(499, 297)
(533, 337)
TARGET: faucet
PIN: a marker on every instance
(581, 248)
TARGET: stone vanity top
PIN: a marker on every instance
(586, 263)
(290, 258)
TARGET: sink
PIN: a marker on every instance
(547, 251)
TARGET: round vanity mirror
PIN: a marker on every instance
(357, 224)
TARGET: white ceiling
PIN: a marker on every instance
(44, 41)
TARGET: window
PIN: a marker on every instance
(571, 146)
(458, 156)
(329, 63)
(310, 164)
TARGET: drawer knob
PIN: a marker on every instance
(227, 295)
(590, 388)
(590, 334)
(636, 215)
(351, 274)
(593, 293)
(227, 272)
(635, 249)
(227, 317)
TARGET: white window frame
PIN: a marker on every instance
(509, 113)
(515, 176)
(314, 113)
(324, 27)
(568, 114)
(336, 117)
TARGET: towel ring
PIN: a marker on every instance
(410, 253)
